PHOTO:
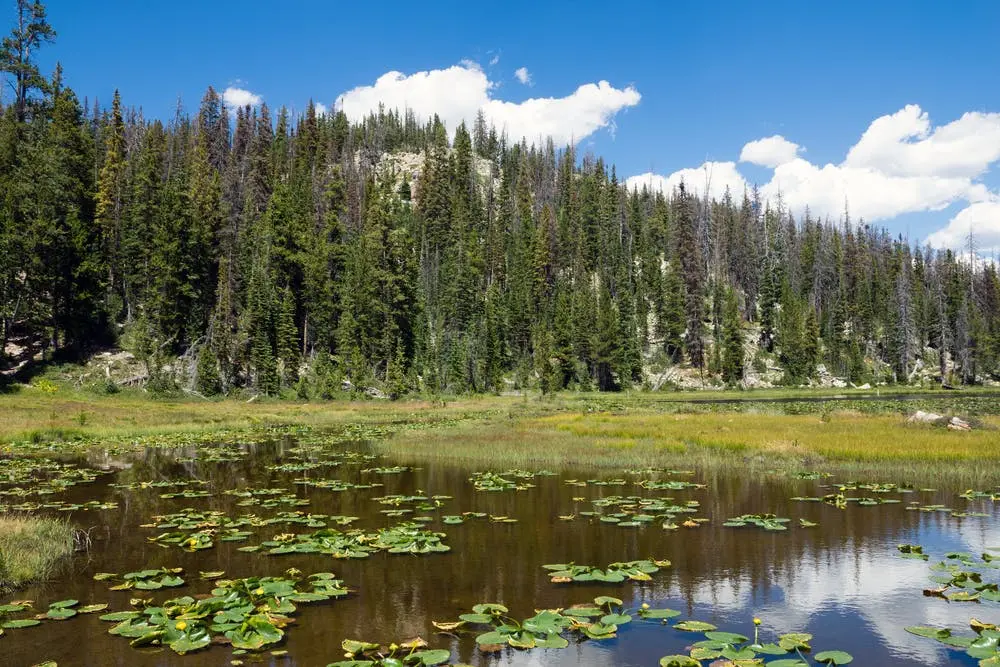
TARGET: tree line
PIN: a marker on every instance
(283, 252)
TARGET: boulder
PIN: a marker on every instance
(921, 417)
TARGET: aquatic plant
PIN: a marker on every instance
(983, 645)
(614, 573)
(370, 654)
(250, 613)
(765, 521)
(599, 619)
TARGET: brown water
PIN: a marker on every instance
(843, 581)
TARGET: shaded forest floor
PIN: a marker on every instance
(850, 431)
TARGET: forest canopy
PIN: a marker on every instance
(293, 252)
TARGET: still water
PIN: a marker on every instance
(843, 581)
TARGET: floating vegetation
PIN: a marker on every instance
(146, 580)
(737, 649)
(596, 482)
(811, 474)
(405, 538)
(161, 484)
(413, 652)
(29, 476)
(615, 573)
(57, 611)
(983, 644)
(967, 578)
(409, 504)
(971, 494)
(914, 551)
(59, 506)
(659, 471)
(668, 485)
(546, 629)
(765, 521)
(636, 511)
(249, 613)
(507, 481)
(389, 470)
(337, 485)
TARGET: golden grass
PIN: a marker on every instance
(31, 549)
(31, 414)
(850, 443)
(837, 436)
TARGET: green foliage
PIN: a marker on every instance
(276, 243)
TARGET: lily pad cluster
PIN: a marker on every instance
(506, 481)
(635, 511)
(370, 654)
(151, 579)
(983, 645)
(914, 551)
(548, 628)
(404, 538)
(57, 611)
(965, 578)
(793, 649)
(765, 521)
(250, 614)
(614, 573)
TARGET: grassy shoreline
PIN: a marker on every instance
(31, 549)
(592, 430)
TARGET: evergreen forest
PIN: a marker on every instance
(271, 252)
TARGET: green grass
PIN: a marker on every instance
(31, 549)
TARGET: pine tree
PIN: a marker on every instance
(732, 340)
(18, 50)
(108, 214)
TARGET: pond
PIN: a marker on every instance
(842, 580)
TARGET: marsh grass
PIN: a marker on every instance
(594, 430)
(32, 549)
(31, 415)
(848, 443)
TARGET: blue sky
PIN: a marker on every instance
(687, 84)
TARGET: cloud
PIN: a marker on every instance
(321, 109)
(983, 218)
(523, 75)
(459, 92)
(770, 151)
(900, 164)
(240, 97)
(494, 60)
(963, 148)
(716, 176)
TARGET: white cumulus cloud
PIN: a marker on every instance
(459, 92)
(321, 109)
(770, 151)
(900, 164)
(983, 218)
(523, 75)
(903, 144)
(240, 97)
(715, 176)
